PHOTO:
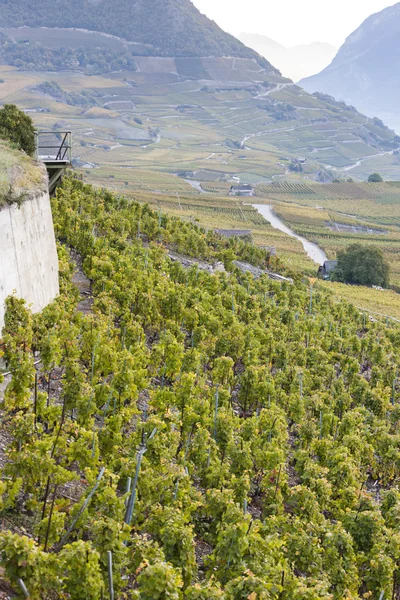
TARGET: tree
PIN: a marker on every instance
(375, 178)
(362, 265)
(17, 127)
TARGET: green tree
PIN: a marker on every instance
(17, 127)
(362, 265)
(375, 178)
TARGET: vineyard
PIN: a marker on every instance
(337, 214)
(176, 434)
(384, 192)
(216, 187)
(129, 179)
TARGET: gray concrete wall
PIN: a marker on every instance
(28, 255)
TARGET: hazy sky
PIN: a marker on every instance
(292, 22)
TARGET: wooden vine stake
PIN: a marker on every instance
(216, 413)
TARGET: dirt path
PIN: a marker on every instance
(196, 185)
(312, 250)
(82, 282)
(363, 160)
(278, 88)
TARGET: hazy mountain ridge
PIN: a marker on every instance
(365, 70)
(295, 62)
(166, 27)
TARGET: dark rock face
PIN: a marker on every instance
(365, 71)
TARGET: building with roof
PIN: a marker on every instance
(325, 271)
(244, 190)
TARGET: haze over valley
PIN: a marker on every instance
(295, 62)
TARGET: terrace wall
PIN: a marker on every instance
(28, 254)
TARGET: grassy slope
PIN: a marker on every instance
(18, 171)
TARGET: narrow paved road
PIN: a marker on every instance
(312, 250)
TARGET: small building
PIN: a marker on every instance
(244, 190)
(325, 270)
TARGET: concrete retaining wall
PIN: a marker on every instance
(28, 255)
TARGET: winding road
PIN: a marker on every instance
(312, 250)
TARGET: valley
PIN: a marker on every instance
(179, 144)
(213, 118)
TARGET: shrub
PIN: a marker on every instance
(362, 265)
(17, 127)
(375, 178)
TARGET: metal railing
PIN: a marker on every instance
(53, 146)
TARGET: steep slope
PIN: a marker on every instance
(366, 70)
(295, 62)
(166, 27)
(268, 425)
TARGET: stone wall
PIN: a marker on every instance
(28, 255)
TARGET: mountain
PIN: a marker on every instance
(295, 62)
(366, 70)
(176, 94)
(158, 27)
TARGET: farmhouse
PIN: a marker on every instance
(327, 268)
(243, 190)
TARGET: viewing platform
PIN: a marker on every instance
(54, 149)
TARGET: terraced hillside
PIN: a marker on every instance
(176, 94)
(154, 27)
(238, 120)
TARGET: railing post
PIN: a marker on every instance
(70, 147)
(36, 145)
(59, 150)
